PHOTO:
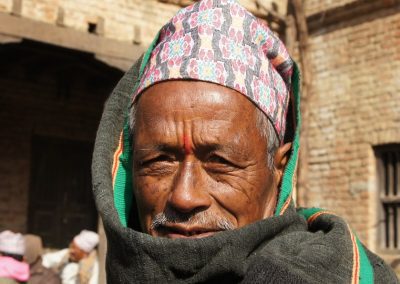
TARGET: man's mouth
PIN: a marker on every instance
(177, 231)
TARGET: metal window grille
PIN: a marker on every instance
(388, 169)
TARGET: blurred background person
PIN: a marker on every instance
(78, 263)
(33, 256)
(12, 267)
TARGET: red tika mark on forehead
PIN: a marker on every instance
(187, 145)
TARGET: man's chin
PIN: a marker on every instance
(181, 232)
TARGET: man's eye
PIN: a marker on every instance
(215, 159)
(160, 158)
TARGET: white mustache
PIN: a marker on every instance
(202, 219)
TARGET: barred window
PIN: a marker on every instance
(388, 169)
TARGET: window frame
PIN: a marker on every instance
(388, 196)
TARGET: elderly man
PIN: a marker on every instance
(77, 264)
(12, 267)
(195, 163)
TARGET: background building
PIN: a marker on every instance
(354, 117)
(59, 59)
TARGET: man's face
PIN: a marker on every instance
(75, 253)
(200, 163)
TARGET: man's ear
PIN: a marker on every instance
(280, 160)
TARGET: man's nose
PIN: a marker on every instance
(188, 193)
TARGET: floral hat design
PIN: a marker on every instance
(219, 41)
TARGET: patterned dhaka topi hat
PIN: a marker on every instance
(219, 41)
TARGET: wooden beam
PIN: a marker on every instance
(137, 34)
(334, 17)
(16, 27)
(262, 11)
(267, 12)
(391, 199)
(182, 3)
(290, 34)
(296, 7)
(9, 39)
(102, 252)
(16, 8)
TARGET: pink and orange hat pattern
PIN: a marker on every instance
(219, 41)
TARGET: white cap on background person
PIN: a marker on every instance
(86, 240)
(13, 243)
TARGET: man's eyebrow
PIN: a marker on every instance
(158, 147)
(226, 147)
(202, 146)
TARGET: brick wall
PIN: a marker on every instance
(355, 105)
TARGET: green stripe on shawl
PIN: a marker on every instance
(308, 212)
(123, 181)
(290, 170)
(366, 270)
(123, 194)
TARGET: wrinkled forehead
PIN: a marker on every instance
(210, 114)
(180, 96)
(194, 93)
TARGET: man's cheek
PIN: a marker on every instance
(149, 199)
(151, 194)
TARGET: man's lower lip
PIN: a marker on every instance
(182, 236)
